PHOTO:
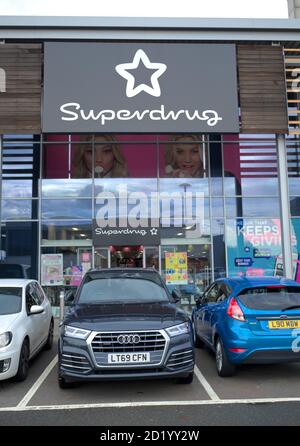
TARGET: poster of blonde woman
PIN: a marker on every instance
(109, 160)
(185, 157)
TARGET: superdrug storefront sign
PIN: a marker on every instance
(146, 236)
(140, 87)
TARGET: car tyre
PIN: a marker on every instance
(49, 342)
(224, 367)
(23, 362)
(187, 379)
(198, 343)
(63, 384)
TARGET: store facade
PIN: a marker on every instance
(176, 152)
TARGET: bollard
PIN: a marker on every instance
(61, 305)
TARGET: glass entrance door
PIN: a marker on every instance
(127, 257)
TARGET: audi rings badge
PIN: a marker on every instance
(129, 339)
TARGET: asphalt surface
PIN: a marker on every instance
(255, 396)
(283, 414)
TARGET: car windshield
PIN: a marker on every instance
(10, 300)
(121, 290)
(273, 297)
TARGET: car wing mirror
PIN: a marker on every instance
(36, 309)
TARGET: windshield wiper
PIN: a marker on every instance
(293, 307)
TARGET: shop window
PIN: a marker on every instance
(293, 159)
(183, 156)
(66, 231)
(254, 247)
(218, 241)
(248, 162)
(295, 206)
(66, 188)
(66, 208)
(135, 156)
(188, 234)
(57, 156)
(295, 225)
(19, 248)
(71, 161)
(187, 268)
(101, 257)
(59, 179)
(99, 156)
(252, 207)
(180, 210)
(19, 209)
(191, 185)
(145, 186)
(62, 268)
(217, 207)
(152, 257)
(183, 180)
(186, 259)
(294, 184)
(135, 191)
(14, 188)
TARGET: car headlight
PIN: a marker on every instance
(178, 329)
(74, 332)
(5, 339)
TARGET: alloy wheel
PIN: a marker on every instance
(219, 356)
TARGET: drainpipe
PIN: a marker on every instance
(284, 206)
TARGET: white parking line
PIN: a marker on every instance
(150, 404)
(23, 403)
(209, 390)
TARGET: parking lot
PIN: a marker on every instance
(251, 386)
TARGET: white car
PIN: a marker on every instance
(26, 325)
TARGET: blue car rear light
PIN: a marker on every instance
(235, 311)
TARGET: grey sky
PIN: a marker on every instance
(155, 8)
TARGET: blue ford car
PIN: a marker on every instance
(249, 320)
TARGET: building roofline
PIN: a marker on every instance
(157, 28)
(75, 22)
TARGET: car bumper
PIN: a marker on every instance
(263, 351)
(132, 374)
(178, 362)
(258, 349)
(271, 356)
(13, 355)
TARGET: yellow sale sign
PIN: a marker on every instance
(176, 268)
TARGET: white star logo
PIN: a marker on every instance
(153, 231)
(140, 56)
